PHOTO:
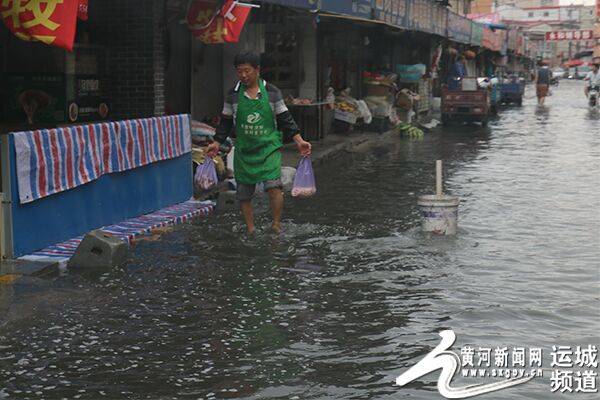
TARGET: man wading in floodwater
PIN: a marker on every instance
(257, 110)
(542, 80)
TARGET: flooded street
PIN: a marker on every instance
(352, 293)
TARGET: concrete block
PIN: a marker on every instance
(99, 250)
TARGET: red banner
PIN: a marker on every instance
(575, 35)
(49, 21)
(82, 11)
(211, 25)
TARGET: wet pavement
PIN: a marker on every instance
(351, 294)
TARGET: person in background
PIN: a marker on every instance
(542, 81)
(458, 70)
(256, 111)
(592, 77)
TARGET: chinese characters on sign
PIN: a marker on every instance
(514, 362)
(573, 368)
(556, 36)
(52, 22)
(393, 12)
(459, 28)
(564, 360)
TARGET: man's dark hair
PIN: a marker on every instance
(247, 58)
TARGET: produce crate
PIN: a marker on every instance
(345, 116)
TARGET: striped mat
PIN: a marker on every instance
(129, 229)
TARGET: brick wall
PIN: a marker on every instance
(133, 32)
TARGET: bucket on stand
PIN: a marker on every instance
(440, 214)
(439, 211)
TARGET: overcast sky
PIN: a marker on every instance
(588, 2)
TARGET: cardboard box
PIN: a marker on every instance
(345, 116)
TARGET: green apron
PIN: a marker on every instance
(257, 156)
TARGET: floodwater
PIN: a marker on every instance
(352, 293)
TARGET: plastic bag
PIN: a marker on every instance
(206, 175)
(304, 181)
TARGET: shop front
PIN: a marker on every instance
(113, 72)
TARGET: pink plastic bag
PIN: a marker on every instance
(304, 181)
(206, 175)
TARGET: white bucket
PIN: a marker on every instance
(440, 213)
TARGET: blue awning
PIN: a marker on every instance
(496, 26)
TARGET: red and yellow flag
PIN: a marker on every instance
(211, 25)
(49, 21)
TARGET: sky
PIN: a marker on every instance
(569, 2)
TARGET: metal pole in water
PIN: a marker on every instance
(439, 211)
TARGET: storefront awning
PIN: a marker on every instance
(585, 53)
(574, 63)
(356, 19)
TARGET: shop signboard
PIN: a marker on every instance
(476, 34)
(459, 28)
(36, 99)
(86, 68)
(394, 12)
(356, 8)
(421, 15)
(86, 102)
(485, 18)
(572, 35)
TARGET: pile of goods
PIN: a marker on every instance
(411, 73)
(202, 133)
(346, 105)
(374, 78)
(405, 99)
(407, 130)
(349, 110)
(291, 100)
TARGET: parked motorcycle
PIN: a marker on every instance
(593, 95)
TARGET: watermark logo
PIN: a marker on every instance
(253, 118)
(448, 362)
(515, 366)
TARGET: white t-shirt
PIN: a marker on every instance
(594, 79)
